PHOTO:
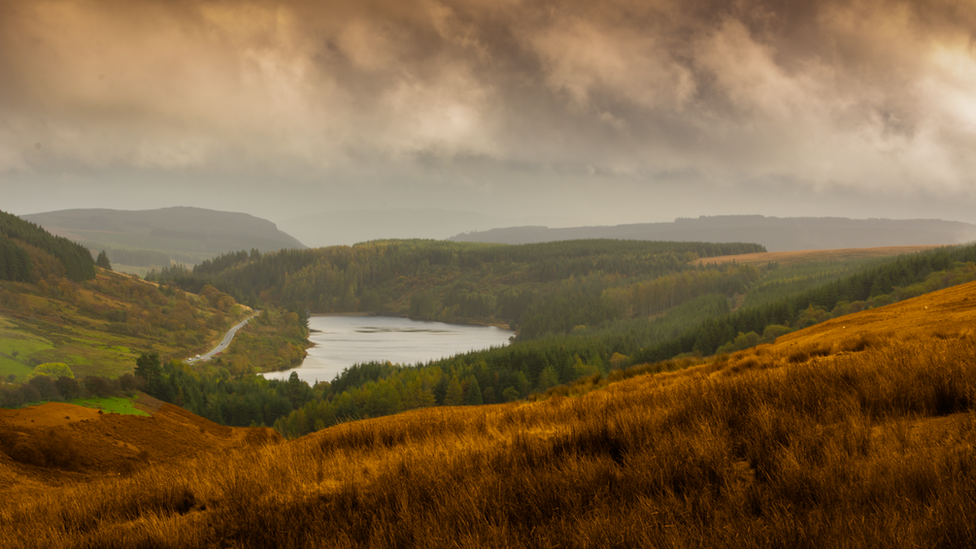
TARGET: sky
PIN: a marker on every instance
(519, 112)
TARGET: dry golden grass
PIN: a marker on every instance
(856, 433)
(814, 256)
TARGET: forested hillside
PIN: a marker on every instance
(586, 358)
(536, 289)
(24, 245)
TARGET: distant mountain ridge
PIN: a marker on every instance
(148, 238)
(348, 227)
(777, 234)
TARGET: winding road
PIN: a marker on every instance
(228, 337)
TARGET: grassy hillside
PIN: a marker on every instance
(99, 327)
(858, 432)
(136, 241)
(59, 308)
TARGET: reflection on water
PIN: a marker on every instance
(373, 330)
(341, 341)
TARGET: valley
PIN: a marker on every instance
(654, 393)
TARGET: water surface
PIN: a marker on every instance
(341, 341)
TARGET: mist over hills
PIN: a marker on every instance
(156, 237)
(775, 233)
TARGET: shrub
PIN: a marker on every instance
(68, 387)
(102, 387)
(45, 387)
(129, 382)
(52, 370)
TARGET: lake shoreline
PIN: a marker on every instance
(502, 325)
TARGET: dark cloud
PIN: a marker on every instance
(469, 101)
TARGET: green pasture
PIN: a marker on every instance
(114, 405)
(10, 367)
(17, 349)
(87, 351)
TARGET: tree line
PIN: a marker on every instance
(61, 388)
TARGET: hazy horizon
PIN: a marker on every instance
(626, 112)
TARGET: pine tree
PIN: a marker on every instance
(455, 394)
(103, 261)
(548, 378)
(474, 393)
(149, 368)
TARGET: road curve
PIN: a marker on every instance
(224, 343)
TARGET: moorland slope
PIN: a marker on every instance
(61, 437)
(857, 432)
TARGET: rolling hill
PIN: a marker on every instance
(137, 240)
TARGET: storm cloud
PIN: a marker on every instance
(572, 105)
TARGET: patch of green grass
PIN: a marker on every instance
(9, 366)
(114, 405)
(14, 340)
(87, 351)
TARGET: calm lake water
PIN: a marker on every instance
(341, 341)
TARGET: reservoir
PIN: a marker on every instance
(341, 341)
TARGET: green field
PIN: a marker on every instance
(85, 351)
(17, 348)
(10, 367)
(114, 405)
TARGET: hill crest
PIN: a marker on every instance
(182, 234)
(775, 233)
